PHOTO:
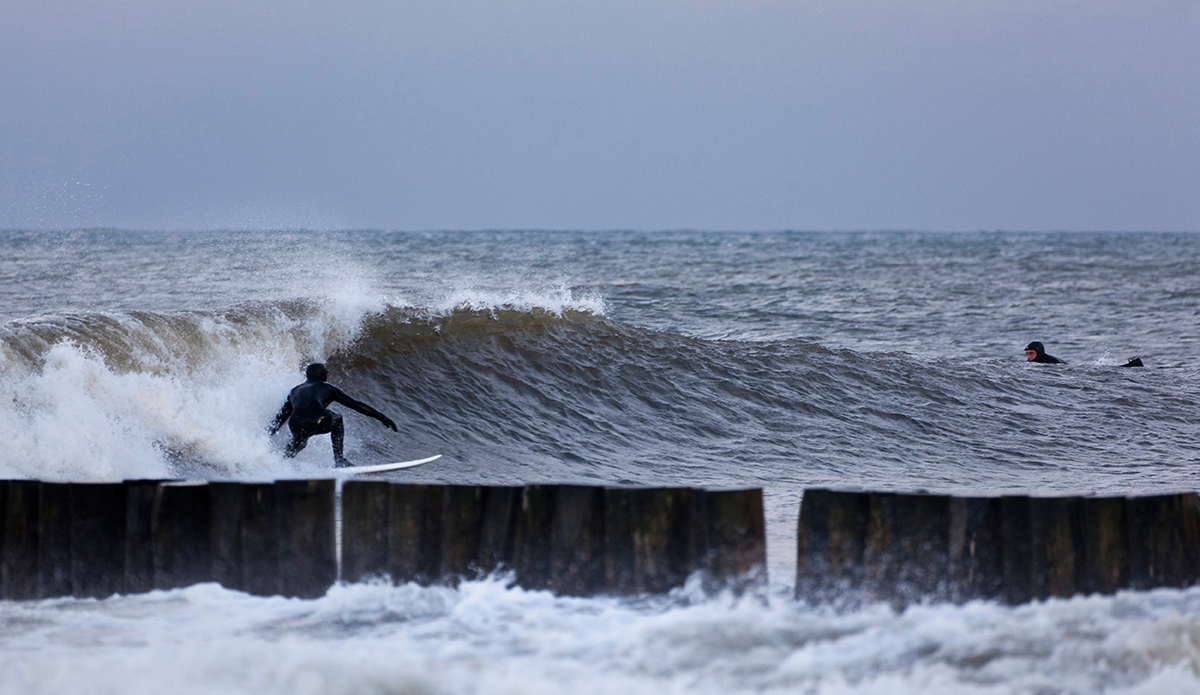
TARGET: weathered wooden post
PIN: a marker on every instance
(462, 525)
(501, 506)
(974, 553)
(365, 515)
(881, 559)
(531, 543)
(1148, 551)
(19, 565)
(97, 539)
(661, 534)
(1103, 567)
(729, 540)
(812, 546)
(415, 533)
(307, 545)
(576, 545)
(225, 534)
(922, 528)
(181, 535)
(1016, 550)
(831, 543)
(139, 542)
(259, 540)
(54, 540)
(1054, 525)
(1187, 525)
(647, 539)
(848, 521)
(619, 577)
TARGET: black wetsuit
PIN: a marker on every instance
(306, 414)
(1041, 354)
(1042, 357)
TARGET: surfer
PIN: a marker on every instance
(1036, 352)
(306, 414)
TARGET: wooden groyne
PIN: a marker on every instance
(573, 540)
(281, 538)
(909, 548)
(99, 539)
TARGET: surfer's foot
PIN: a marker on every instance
(342, 463)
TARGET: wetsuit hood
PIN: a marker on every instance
(316, 372)
(1040, 355)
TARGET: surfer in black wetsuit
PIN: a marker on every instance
(1036, 352)
(306, 414)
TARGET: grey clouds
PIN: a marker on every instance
(460, 114)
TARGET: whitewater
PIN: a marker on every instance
(889, 361)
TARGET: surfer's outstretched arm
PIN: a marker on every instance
(284, 413)
(359, 406)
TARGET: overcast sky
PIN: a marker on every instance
(601, 114)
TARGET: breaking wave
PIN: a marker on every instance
(516, 390)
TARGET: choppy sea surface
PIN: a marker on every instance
(889, 361)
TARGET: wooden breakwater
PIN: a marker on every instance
(910, 548)
(574, 540)
(97, 539)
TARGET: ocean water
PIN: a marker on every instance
(889, 361)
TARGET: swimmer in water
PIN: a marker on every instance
(1036, 352)
(306, 414)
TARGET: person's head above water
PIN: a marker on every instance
(316, 372)
(1036, 352)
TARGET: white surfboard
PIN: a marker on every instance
(382, 467)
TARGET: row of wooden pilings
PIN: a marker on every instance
(858, 547)
(281, 538)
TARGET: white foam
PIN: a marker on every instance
(486, 638)
(554, 299)
(204, 394)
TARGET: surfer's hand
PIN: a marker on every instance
(387, 422)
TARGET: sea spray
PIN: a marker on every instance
(159, 395)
